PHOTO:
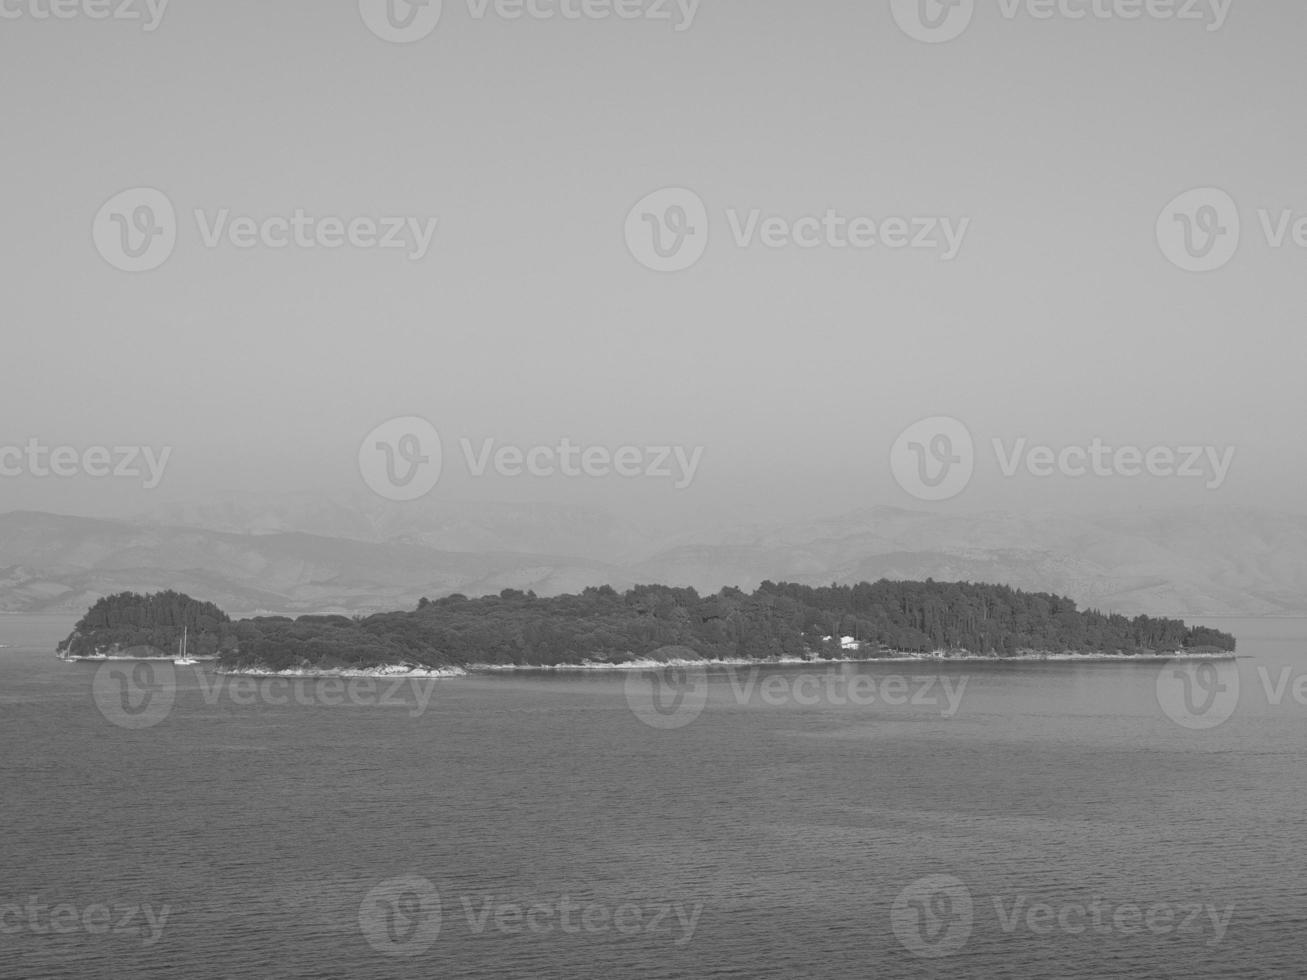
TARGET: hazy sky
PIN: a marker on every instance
(1055, 143)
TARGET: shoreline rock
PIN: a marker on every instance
(409, 670)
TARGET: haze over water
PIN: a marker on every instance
(263, 828)
(331, 308)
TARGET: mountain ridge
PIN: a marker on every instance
(1239, 563)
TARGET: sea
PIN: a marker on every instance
(997, 820)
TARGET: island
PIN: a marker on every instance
(647, 625)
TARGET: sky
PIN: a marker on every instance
(1038, 290)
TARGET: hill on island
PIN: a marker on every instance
(601, 625)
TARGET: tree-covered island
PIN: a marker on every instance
(602, 626)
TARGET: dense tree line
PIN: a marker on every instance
(129, 619)
(987, 619)
(602, 625)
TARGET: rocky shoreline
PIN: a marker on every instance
(416, 671)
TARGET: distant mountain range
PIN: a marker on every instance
(293, 554)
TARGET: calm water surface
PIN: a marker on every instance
(1059, 823)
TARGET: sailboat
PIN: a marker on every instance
(183, 660)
